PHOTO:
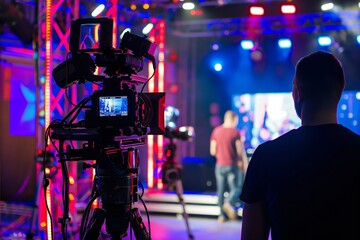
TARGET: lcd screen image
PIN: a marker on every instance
(266, 116)
(89, 36)
(111, 106)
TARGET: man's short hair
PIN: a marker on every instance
(229, 114)
(320, 77)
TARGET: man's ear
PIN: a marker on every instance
(297, 95)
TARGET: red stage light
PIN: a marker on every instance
(288, 9)
(196, 12)
(257, 10)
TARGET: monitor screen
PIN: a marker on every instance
(349, 110)
(89, 36)
(265, 116)
(113, 106)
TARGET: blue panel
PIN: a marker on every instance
(22, 102)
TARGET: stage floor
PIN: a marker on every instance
(202, 228)
(166, 218)
(166, 227)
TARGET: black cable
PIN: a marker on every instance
(65, 198)
(85, 217)
(142, 189)
(77, 108)
(46, 182)
(152, 75)
(142, 201)
(54, 122)
(147, 215)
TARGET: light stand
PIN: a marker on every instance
(172, 178)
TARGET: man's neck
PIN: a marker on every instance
(227, 125)
(313, 118)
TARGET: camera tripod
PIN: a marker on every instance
(171, 176)
(116, 182)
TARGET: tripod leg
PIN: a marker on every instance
(138, 226)
(96, 222)
(179, 192)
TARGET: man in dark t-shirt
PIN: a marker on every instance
(306, 183)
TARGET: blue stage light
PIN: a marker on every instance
(218, 67)
(284, 43)
(358, 38)
(324, 41)
(247, 44)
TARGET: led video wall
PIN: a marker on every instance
(265, 116)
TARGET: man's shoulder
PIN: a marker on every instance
(283, 139)
(349, 133)
(335, 132)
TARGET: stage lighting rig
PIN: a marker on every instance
(116, 122)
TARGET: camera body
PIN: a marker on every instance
(113, 107)
(118, 104)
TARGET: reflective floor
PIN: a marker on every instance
(15, 225)
(174, 228)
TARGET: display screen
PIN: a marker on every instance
(349, 110)
(113, 106)
(265, 116)
(89, 36)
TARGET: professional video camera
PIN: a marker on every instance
(118, 104)
(117, 121)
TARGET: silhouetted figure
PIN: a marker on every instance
(306, 183)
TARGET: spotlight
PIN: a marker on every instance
(324, 41)
(98, 10)
(288, 9)
(284, 43)
(327, 6)
(146, 6)
(133, 7)
(247, 44)
(188, 6)
(147, 28)
(218, 67)
(215, 47)
(257, 10)
(358, 39)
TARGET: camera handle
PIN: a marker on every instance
(170, 153)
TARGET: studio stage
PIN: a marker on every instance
(165, 213)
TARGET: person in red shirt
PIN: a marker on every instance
(231, 162)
